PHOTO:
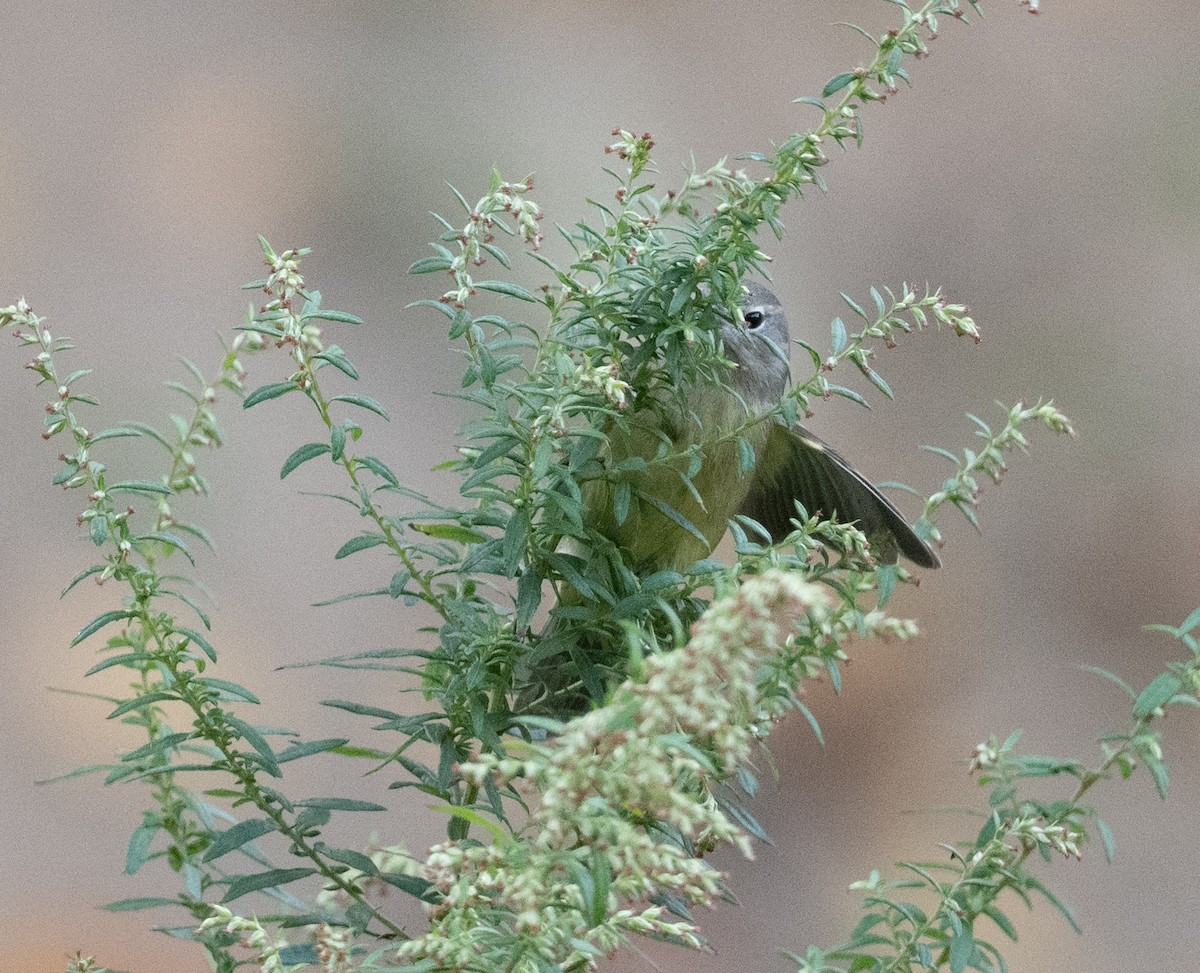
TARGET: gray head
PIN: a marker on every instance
(760, 346)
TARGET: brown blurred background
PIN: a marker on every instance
(1044, 170)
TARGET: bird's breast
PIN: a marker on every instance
(682, 499)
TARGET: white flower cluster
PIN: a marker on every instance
(1063, 838)
(254, 936)
(475, 240)
(587, 378)
(610, 791)
(284, 283)
(604, 379)
(285, 280)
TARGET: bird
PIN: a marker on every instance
(791, 463)
(674, 513)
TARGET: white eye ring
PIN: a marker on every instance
(754, 318)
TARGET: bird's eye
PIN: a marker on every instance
(754, 319)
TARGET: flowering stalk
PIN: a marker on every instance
(1016, 828)
(963, 488)
(577, 882)
(624, 806)
(893, 317)
(170, 659)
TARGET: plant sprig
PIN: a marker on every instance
(1018, 830)
(557, 850)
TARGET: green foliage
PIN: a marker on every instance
(565, 834)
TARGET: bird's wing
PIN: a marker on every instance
(796, 465)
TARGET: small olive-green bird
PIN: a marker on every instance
(790, 463)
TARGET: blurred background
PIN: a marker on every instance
(1044, 170)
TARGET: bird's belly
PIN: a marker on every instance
(655, 538)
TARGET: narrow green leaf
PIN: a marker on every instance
(429, 265)
(363, 402)
(116, 433)
(355, 859)
(460, 324)
(134, 660)
(399, 584)
(877, 380)
(1158, 770)
(190, 602)
(233, 838)
(265, 392)
(436, 305)
(812, 721)
(360, 543)
(680, 296)
(298, 750)
(362, 709)
(147, 430)
(1116, 680)
(742, 816)
(962, 949)
(1056, 902)
(1158, 693)
(418, 887)
(1189, 623)
(840, 338)
(305, 954)
(337, 317)
(231, 689)
(302, 455)
(499, 254)
(99, 622)
(275, 878)
(850, 394)
(333, 355)
(516, 537)
(169, 540)
(140, 702)
(621, 498)
(140, 486)
(1001, 920)
(673, 515)
(137, 853)
(855, 307)
(86, 573)
(199, 533)
(837, 83)
(256, 740)
(746, 458)
(885, 577)
(199, 639)
(529, 596)
(134, 905)
(507, 288)
(450, 532)
(379, 468)
(942, 452)
(154, 748)
(339, 804)
(471, 816)
(1106, 838)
